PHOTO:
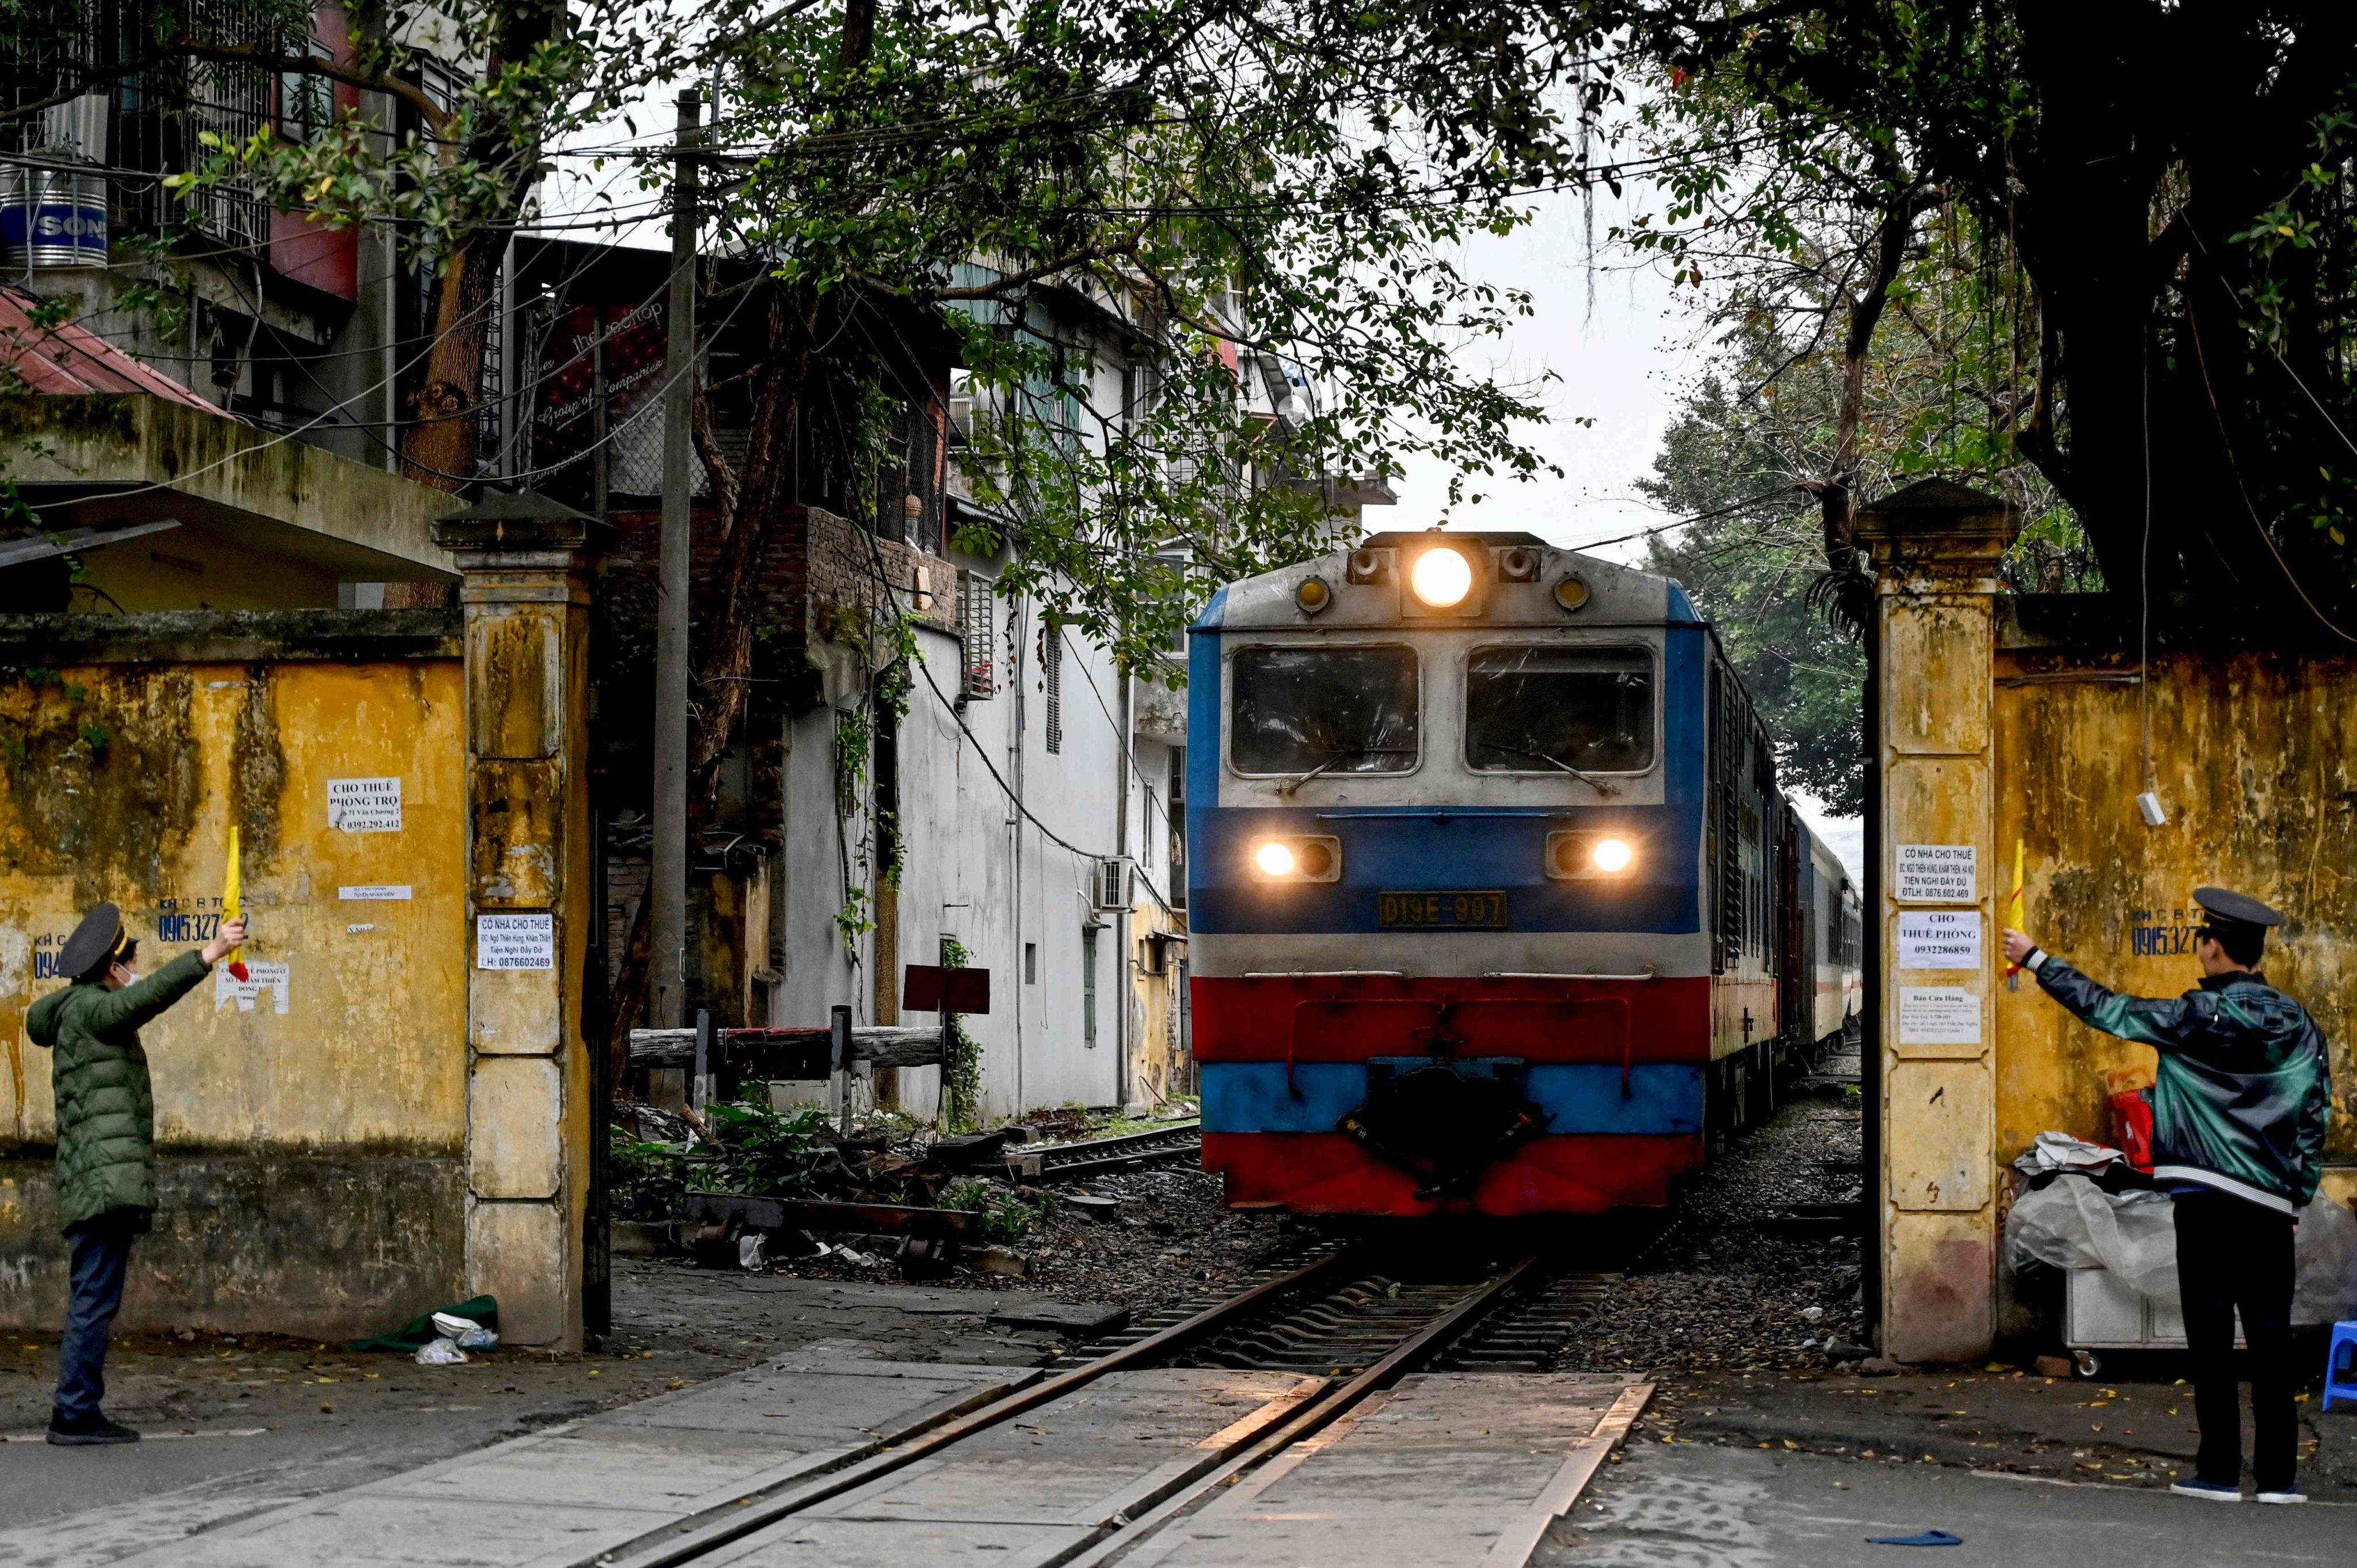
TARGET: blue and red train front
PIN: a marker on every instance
(1446, 852)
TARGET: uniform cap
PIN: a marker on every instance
(2235, 909)
(99, 941)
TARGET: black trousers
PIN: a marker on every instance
(101, 1252)
(2232, 1254)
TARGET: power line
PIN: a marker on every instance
(1121, 740)
(368, 428)
(1743, 505)
(2226, 440)
(983, 753)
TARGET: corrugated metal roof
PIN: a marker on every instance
(69, 360)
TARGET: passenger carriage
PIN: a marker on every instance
(1494, 904)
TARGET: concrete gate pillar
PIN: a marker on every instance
(1936, 547)
(529, 1114)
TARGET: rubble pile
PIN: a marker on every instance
(1133, 1237)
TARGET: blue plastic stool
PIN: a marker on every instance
(2336, 1380)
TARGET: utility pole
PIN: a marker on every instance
(668, 881)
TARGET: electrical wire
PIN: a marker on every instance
(2218, 415)
(1745, 504)
(2218, 274)
(330, 415)
(1050, 835)
(1121, 740)
(882, 576)
(648, 405)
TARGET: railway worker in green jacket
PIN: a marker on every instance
(106, 1135)
(2239, 1111)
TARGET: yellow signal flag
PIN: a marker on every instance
(231, 905)
(2016, 905)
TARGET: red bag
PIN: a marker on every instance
(2132, 1129)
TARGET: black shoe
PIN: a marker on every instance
(90, 1430)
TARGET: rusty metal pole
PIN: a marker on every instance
(667, 882)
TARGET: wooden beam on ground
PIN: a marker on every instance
(790, 1053)
(759, 1213)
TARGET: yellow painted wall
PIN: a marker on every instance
(1160, 1070)
(120, 781)
(2251, 755)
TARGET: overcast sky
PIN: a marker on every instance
(1622, 364)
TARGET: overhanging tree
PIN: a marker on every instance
(2171, 182)
(1214, 183)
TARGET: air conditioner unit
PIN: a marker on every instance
(1112, 884)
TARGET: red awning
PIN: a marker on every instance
(69, 360)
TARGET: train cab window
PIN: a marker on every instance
(1324, 711)
(1542, 709)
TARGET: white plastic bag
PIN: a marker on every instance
(2324, 1264)
(477, 1337)
(440, 1353)
(752, 1251)
(2071, 1223)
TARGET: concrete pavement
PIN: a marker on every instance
(236, 1428)
(1694, 1505)
(1430, 1475)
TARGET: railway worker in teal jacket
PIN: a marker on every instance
(106, 1136)
(2239, 1111)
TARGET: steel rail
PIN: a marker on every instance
(1125, 1534)
(743, 1516)
(1060, 1162)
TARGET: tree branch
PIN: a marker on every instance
(92, 73)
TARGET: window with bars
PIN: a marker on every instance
(306, 102)
(1051, 670)
(977, 614)
(148, 121)
(1178, 890)
(1088, 985)
(907, 491)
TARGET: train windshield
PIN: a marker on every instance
(1576, 710)
(1323, 710)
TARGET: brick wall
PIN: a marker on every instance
(819, 581)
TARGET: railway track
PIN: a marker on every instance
(1098, 1157)
(1332, 1333)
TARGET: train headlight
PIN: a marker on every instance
(1587, 854)
(1301, 858)
(1313, 595)
(1441, 577)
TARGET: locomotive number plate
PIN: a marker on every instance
(1482, 909)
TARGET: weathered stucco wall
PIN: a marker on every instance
(1160, 1068)
(2250, 755)
(313, 1130)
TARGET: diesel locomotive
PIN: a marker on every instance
(1495, 905)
